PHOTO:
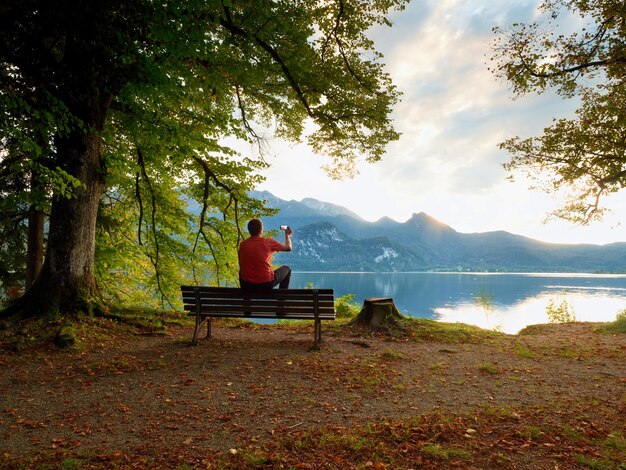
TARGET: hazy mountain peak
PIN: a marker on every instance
(328, 208)
(423, 220)
(272, 201)
(308, 207)
(386, 220)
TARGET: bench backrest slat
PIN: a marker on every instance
(258, 308)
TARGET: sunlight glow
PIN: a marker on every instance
(594, 307)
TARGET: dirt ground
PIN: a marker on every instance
(257, 397)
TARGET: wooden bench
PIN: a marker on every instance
(286, 304)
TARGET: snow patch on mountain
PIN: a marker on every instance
(388, 254)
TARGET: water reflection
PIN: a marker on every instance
(507, 302)
(513, 318)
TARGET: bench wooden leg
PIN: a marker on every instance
(199, 321)
(317, 335)
(208, 327)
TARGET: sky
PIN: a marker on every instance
(452, 115)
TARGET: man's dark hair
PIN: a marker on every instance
(255, 226)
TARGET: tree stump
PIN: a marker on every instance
(378, 314)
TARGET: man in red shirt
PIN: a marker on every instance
(255, 257)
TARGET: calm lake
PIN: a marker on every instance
(506, 302)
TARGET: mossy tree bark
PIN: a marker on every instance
(378, 314)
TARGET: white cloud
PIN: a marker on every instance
(452, 116)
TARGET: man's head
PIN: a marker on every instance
(255, 227)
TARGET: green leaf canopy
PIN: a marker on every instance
(133, 104)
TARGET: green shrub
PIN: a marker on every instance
(614, 327)
(561, 313)
(345, 307)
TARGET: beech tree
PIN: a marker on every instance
(115, 117)
(585, 156)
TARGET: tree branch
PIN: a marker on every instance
(244, 118)
(153, 259)
(229, 24)
(576, 68)
(140, 201)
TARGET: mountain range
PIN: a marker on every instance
(328, 237)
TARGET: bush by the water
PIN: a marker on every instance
(345, 307)
(617, 326)
(560, 313)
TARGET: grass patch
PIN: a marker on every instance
(573, 434)
(71, 464)
(442, 453)
(567, 353)
(391, 354)
(524, 352)
(531, 330)
(615, 327)
(437, 367)
(532, 433)
(256, 461)
(616, 440)
(499, 411)
(422, 329)
(500, 459)
(488, 369)
(593, 462)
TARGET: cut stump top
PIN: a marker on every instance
(377, 300)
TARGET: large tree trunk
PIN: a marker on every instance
(69, 264)
(67, 283)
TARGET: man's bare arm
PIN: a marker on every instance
(288, 233)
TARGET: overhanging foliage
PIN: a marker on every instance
(585, 155)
